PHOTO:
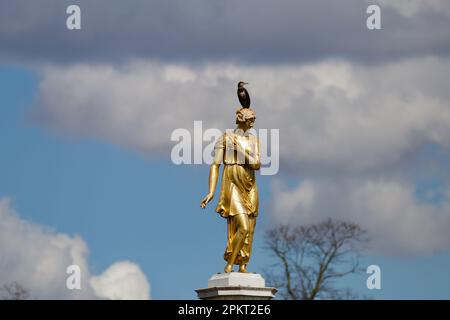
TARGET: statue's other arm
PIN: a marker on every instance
(252, 157)
(213, 177)
(254, 160)
(214, 171)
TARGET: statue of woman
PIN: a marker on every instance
(238, 201)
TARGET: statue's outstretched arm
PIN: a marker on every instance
(213, 177)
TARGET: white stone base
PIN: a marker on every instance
(236, 286)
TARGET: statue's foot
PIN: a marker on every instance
(243, 268)
(228, 268)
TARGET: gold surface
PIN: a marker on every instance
(238, 197)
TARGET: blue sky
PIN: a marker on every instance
(125, 206)
(128, 207)
(85, 126)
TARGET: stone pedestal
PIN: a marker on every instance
(236, 286)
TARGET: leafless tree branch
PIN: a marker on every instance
(309, 258)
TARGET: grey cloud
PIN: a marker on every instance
(253, 31)
(410, 8)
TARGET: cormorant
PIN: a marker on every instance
(244, 97)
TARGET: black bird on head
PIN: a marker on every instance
(244, 97)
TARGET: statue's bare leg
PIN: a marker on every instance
(228, 268)
(242, 229)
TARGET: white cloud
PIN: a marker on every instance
(398, 223)
(37, 258)
(331, 114)
(336, 119)
(301, 199)
(122, 280)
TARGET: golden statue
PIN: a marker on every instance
(238, 201)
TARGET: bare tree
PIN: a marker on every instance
(13, 291)
(311, 258)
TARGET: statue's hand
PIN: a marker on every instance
(206, 199)
(236, 144)
(238, 147)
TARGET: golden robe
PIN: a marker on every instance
(238, 190)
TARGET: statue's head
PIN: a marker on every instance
(245, 117)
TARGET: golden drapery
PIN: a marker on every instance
(238, 191)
